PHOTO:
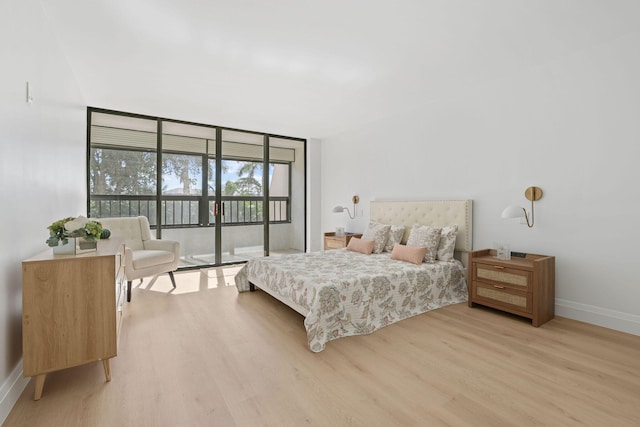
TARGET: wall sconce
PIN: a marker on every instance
(531, 193)
(355, 200)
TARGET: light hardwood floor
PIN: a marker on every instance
(203, 355)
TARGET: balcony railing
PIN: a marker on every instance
(185, 211)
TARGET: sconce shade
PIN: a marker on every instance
(531, 193)
(355, 200)
(513, 212)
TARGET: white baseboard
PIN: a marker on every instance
(624, 322)
(11, 391)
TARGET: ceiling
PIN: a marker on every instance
(313, 68)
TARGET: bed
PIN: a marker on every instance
(344, 293)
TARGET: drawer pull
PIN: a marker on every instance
(498, 286)
(499, 267)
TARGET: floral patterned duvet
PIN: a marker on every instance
(348, 293)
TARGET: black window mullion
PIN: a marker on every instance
(218, 217)
(203, 212)
(88, 164)
(265, 193)
(159, 179)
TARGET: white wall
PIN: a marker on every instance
(42, 163)
(314, 199)
(571, 127)
(296, 229)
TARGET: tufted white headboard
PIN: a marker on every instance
(437, 213)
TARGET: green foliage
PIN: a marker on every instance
(134, 173)
(247, 184)
(184, 167)
(114, 171)
(93, 229)
(59, 230)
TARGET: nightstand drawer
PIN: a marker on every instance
(331, 241)
(338, 243)
(508, 277)
(500, 296)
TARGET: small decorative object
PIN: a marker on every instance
(74, 235)
(106, 233)
(502, 251)
(339, 231)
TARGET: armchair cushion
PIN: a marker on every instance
(134, 230)
(145, 259)
(144, 256)
(162, 245)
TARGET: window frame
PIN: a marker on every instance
(205, 197)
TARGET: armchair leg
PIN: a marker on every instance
(173, 280)
(129, 291)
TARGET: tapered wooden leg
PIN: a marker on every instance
(39, 386)
(107, 369)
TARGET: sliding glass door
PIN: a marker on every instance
(226, 195)
(241, 199)
(186, 188)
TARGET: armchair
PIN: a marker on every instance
(144, 256)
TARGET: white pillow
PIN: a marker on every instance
(379, 233)
(395, 236)
(427, 236)
(447, 244)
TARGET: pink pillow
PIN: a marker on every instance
(412, 254)
(360, 245)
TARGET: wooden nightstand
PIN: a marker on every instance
(522, 286)
(331, 241)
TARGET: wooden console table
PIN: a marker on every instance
(71, 310)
